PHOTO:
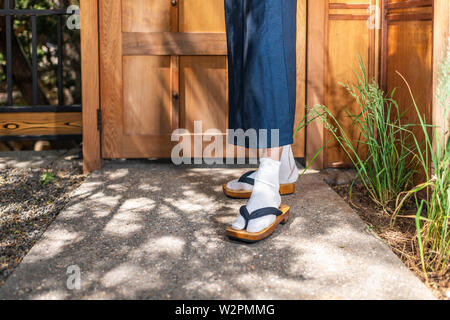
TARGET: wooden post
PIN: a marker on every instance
(90, 84)
(299, 140)
(316, 76)
(441, 41)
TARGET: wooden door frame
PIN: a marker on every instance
(90, 77)
(441, 34)
(316, 79)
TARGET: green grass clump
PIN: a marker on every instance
(47, 178)
(433, 196)
(389, 165)
(389, 156)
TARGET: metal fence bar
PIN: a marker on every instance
(30, 12)
(39, 108)
(34, 63)
(9, 75)
(42, 137)
(60, 62)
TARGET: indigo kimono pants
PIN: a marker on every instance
(261, 38)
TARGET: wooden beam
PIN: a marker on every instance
(409, 4)
(173, 43)
(353, 6)
(348, 17)
(299, 140)
(90, 84)
(40, 123)
(441, 40)
(409, 17)
(316, 76)
(111, 75)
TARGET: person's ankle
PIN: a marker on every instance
(265, 194)
(288, 168)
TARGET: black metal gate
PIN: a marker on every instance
(35, 121)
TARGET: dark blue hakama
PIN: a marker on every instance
(261, 37)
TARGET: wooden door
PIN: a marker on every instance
(163, 66)
(339, 32)
(350, 35)
(408, 49)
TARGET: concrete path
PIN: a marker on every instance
(139, 230)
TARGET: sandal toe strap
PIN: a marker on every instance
(246, 179)
(258, 213)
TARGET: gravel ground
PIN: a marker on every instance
(28, 206)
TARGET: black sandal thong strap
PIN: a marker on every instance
(246, 179)
(258, 213)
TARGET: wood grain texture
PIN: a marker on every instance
(204, 92)
(441, 40)
(338, 32)
(409, 4)
(341, 63)
(147, 107)
(299, 140)
(409, 51)
(40, 123)
(90, 84)
(175, 91)
(316, 65)
(202, 16)
(111, 88)
(145, 91)
(174, 43)
(203, 80)
(145, 15)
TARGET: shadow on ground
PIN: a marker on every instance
(140, 230)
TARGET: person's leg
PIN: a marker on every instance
(265, 191)
(262, 73)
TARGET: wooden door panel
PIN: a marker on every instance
(348, 36)
(146, 16)
(408, 49)
(147, 98)
(204, 92)
(342, 61)
(202, 16)
(203, 82)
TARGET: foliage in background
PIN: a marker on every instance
(389, 166)
(47, 52)
(306, 120)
